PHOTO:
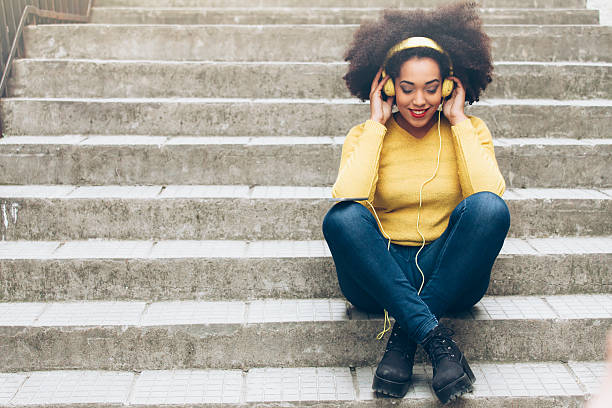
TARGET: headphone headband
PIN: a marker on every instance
(417, 42)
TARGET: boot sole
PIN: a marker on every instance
(458, 387)
(390, 388)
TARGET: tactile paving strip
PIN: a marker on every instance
(278, 385)
(188, 387)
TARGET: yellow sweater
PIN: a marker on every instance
(391, 173)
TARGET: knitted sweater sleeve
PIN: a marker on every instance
(477, 166)
(359, 163)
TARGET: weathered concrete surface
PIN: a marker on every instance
(523, 166)
(253, 219)
(276, 344)
(176, 117)
(120, 15)
(338, 3)
(288, 43)
(145, 79)
(257, 278)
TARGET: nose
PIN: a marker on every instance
(419, 98)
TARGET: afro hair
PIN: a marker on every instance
(457, 28)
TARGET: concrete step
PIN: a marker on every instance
(35, 271)
(282, 333)
(312, 43)
(337, 3)
(323, 15)
(287, 161)
(525, 384)
(509, 118)
(66, 78)
(239, 212)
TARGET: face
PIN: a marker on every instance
(418, 91)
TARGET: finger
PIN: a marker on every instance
(457, 82)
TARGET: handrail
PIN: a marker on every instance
(31, 10)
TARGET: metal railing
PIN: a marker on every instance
(16, 14)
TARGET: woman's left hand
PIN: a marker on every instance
(453, 108)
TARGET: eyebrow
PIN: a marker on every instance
(426, 83)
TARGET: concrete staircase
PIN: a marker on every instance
(165, 171)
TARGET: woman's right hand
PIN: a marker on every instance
(380, 111)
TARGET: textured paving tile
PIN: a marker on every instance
(91, 314)
(103, 249)
(205, 192)
(35, 191)
(199, 249)
(582, 306)
(19, 314)
(41, 140)
(512, 307)
(287, 249)
(9, 384)
(289, 140)
(299, 384)
(420, 388)
(27, 249)
(188, 386)
(74, 387)
(583, 245)
(279, 192)
(125, 192)
(196, 140)
(296, 310)
(589, 373)
(193, 312)
(123, 140)
(516, 246)
(524, 379)
(557, 193)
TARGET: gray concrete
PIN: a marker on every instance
(204, 278)
(288, 43)
(120, 15)
(338, 3)
(542, 165)
(159, 79)
(287, 344)
(252, 219)
(176, 117)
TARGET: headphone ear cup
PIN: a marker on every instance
(388, 88)
(447, 87)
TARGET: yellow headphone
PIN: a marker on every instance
(417, 42)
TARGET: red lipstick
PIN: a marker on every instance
(421, 113)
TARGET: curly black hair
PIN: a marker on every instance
(457, 28)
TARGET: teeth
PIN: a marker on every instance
(419, 112)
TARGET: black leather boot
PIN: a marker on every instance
(452, 375)
(394, 372)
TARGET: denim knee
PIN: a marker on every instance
(342, 217)
(491, 210)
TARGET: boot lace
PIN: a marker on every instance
(441, 345)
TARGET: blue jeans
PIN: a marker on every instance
(457, 265)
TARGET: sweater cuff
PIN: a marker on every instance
(462, 128)
(371, 126)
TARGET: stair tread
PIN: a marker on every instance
(273, 311)
(290, 384)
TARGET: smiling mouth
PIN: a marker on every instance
(418, 113)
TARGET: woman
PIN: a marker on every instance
(421, 219)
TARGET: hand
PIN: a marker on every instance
(453, 108)
(380, 111)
